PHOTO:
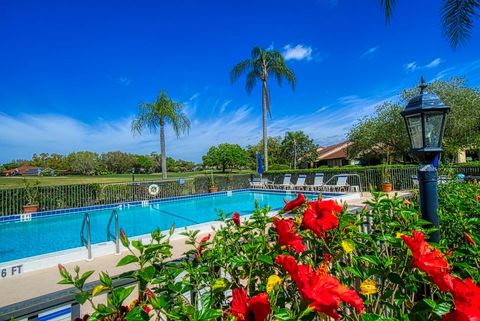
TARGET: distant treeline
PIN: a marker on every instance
(90, 163)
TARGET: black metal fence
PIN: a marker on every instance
(70, 196)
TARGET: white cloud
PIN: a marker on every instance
(434, 63)
(122, 80)
(299, 52)
(369, 53)
(412, 66)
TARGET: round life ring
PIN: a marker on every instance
(153, 189)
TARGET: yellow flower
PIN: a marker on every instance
(368, 287)
(399, 235)
(348, 246)
(299, 220)
(273, 281)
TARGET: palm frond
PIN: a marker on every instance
(387, 6)
(239, 69)
(457, 19)
(251, 81)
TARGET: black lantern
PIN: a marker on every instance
(425, 117)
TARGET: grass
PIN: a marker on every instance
(17, 181)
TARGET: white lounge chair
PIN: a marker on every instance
(340, 186)
(286, 182)
(300, 183)
(317, 182)
(258, 182)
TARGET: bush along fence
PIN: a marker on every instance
(69, 196)
(370, 177)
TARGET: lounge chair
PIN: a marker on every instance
(317, 182)
(340, 186)
(300, 183)
(255, 182)
(259, 183)
(286, 182)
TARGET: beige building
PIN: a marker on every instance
(334, 155)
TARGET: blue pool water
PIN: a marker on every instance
(55, 233)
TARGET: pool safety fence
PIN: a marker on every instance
(58, 197)
(402, 177)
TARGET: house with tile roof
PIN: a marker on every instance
(334, 155)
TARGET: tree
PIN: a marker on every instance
(381, 135)
(225, 156)
(261, 64)
(142, 163)
(118, 162)
(85, 163)
(297, 147)
(457, 18)
(384, 132)
(274, 152)
(184, 166)
(154, 115)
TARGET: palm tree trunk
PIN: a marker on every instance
(264, 124)
(162, 150)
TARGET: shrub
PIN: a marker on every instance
(312, 261)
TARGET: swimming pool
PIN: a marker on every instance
(60, 232)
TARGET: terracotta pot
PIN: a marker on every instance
(213, 189)
(387, 187)
(30, 208)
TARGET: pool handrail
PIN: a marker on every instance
(116, 237)
(86, 241)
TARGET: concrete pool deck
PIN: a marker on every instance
(43, 281)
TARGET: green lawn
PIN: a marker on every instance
(17, 181)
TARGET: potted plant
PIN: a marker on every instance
(387, 184)
(31, 194)
(212, 186)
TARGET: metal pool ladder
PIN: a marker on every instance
(116, 237)
(86, 241)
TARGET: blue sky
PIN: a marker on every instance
(72, 73)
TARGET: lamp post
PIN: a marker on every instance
(425, 116)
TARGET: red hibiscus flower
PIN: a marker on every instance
(286, 235)
(466, 296)
(296, 203)
(257, 308)
(236, 218)
(322, 291)
(205, 238)
(320, 216)
(430, 260)
(468, 238)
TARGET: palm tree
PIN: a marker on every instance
(457, 18)
(157, 114)
(261, 64)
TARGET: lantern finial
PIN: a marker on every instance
(423, 84)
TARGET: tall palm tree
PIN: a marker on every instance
(261, 64)
(154, 115)
(457, 18)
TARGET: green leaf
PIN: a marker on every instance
(81, 298)
(209, 314)
(442, 308)
(137, 314)
(370, 317)
(119, 295)
(265, 259)
(127, 260)
(371, 259)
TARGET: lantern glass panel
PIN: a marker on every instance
(414, 124)
(433, 129)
